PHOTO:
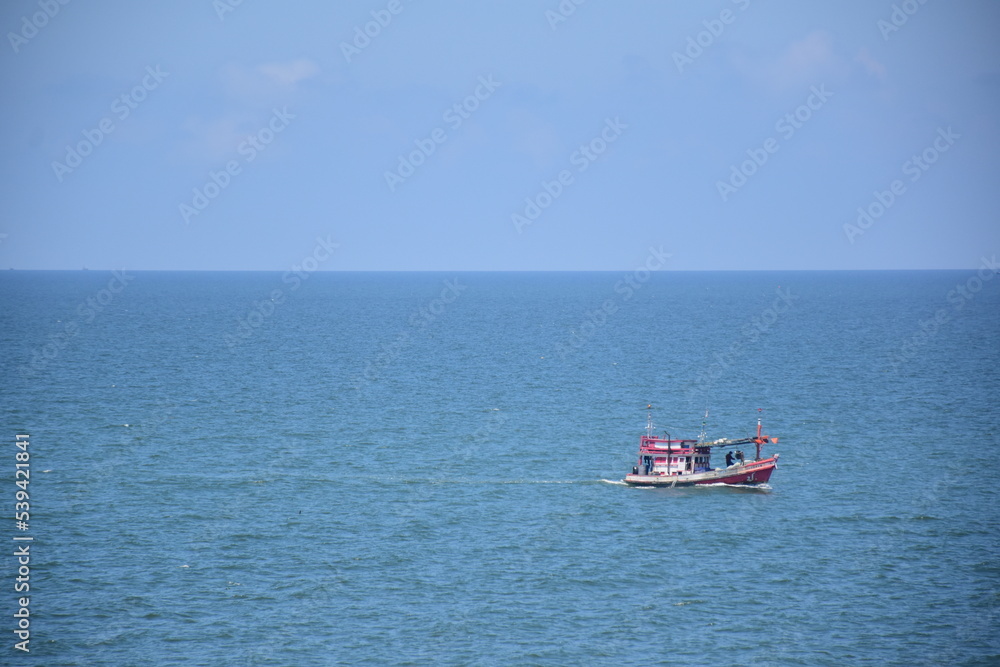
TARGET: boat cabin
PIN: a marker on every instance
(665, 456)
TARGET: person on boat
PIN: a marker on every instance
(729, 459)
(739, 456)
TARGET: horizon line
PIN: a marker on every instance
(88, 269)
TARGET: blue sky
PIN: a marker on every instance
(733, 134)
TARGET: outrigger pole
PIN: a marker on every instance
(758, 440)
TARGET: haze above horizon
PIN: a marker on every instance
(391, 135)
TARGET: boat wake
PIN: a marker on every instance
(534, 481)
(745, 487)
(469, 481)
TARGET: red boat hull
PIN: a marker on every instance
(754, 472)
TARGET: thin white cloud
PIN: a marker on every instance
(251, 92)
(289, 74)
(803, 62)
(267, 79)
(872, 66)
(216, 139)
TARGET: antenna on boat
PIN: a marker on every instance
(701, 436)
(649, 420)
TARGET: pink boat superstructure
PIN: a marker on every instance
(679, 462)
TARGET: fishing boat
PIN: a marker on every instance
(666, 461)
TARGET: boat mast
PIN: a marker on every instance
(757, 441)
(760, 440)
(649, 434)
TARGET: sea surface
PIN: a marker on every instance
(424, 468)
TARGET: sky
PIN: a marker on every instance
(501, 136)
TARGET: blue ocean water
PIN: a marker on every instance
(391, 468)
